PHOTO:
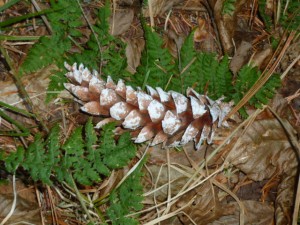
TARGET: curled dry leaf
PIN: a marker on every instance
(166, 117)
(206, 206)
(133, 53)
(263, 151)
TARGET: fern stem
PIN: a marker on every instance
(76, 43)
(80, 198)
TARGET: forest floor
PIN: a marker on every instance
(248, 175)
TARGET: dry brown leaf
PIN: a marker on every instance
(120, 21)
(27, 209)
(206, 206)
(173, 42)
(134, 50)
(24, 212)
(263, 151)
(35, 85)
(240, 57)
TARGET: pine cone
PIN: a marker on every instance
(163, 117)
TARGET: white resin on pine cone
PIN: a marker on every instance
(163, 117)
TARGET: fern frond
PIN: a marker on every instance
(13, 160)
(186, 65)
(126, 199)
(55, 85)
(223, 86)
(45, 52)
(65, 19)
(105, 50)
(116, 154)
(155, 61)
(78, 156)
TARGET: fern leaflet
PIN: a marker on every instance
(126, 199)
(155, 60)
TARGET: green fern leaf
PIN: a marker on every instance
(223, 78)
(155, 61)
(45, 52)
(35, 158)
(55, 85)
(14, 159)
(188, 74)
(64, 19)
(74, 145)
(126, 199)
(90, 138)
(112, 53)
(116, 154)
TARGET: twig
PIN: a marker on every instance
(37, 193)
(169, 183)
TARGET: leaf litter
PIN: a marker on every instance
(248, 176)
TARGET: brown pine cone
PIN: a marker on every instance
(163, 117)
